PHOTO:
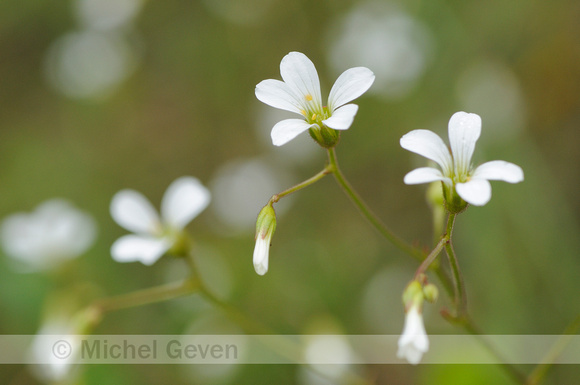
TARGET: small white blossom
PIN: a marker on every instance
(185, 198)
(261, 254)
(300, 93)
(53, 233)
(457, 172)
(413, 343)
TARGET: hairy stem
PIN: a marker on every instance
(147, 296)
(325, 171)
(367, 212)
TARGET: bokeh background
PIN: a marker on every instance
(101, 95)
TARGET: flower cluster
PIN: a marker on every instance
(56, 231)
(463, 184)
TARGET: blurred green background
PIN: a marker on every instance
(97, 96)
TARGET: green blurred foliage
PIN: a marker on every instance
(189, 107)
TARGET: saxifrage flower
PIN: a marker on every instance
(185, 198)
(462, 182)
(53, 233)
(300, 93)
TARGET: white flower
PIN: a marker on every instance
(49, 366)
(413, 343)
(261, 254)
(471, 184)
(300, 93)
(185, 198)
(55, 232)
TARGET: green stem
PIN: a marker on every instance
(367, 213)
(459, 286)
(147, 296)
(282, 345)
(510, 369)
(431, 257)
(325, 171)
(379, 225)
(540, 371)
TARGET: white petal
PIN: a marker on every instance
(184, 199)
(131, 248)
(277, 94)
(288, 129)
(261, 253)
(131, 210)
(300, 75)
(342, 117)
(464, 130)
(413, 342)
(424, 175)
(477, 191)
(428, 144)
(499, 170)
(351, 84)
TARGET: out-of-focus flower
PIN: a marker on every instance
(413, 343)
(241, 186)
(57, 344)
(381, 35)
(300, 93)
(185, 198)
(57, 363)
(462, 182)
(107, 15)
(89, 64)
(53, 233)
(265, 227)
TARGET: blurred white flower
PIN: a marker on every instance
(89, 64)
(413, 343)
(492, 89)
(457, 172)
(241, 187)
(300, 93)
(184, 199)
(381, 36)
(106, 15)
(329, 358)
(55, 232)
(54, 350)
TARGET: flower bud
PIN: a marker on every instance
(265, 227)
(431, 292)
(413, 294)
(413, 342)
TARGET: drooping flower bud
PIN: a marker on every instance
(413, 342)
(265, 227)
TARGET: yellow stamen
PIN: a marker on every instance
(308, 97)
(313, 116)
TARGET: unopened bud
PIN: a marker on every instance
(265, 227)
(413, 294)
(431, 292)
